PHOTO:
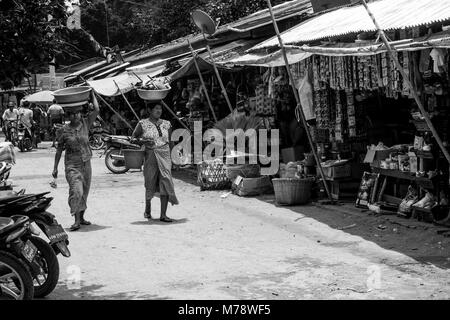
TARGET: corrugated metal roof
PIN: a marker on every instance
(282, 11)
(390, 14)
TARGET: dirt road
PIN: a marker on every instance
(228, 248)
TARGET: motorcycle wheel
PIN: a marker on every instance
(96, 142)
(28, 144)
(16, 281)
(45, 282)
(110, 162)
(21, 146)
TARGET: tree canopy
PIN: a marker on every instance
(32, 33)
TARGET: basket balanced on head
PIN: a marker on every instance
(73, 96)
(154, 90)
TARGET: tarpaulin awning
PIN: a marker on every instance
(41, 97)
(267, 60)
(390, 14)
(220, 53)
(107, 87)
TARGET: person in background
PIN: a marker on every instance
(26, 117)
(55, 114)
(119, 125)
(9, 116)
(74, 139)
(38, 114)
(155, 134)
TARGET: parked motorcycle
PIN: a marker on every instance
(16, 282)
(20, 239)
(96, 135)
(114, 157)
(24, 138)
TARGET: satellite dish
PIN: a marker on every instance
(204, 22)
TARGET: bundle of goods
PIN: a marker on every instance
(154, 89)
(212, 175)
(247, 187)
(243, 170)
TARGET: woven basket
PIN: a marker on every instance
(212, 175)
(290, 191)
(243, 170)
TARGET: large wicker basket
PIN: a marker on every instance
(212, 175)
(292, 191)
(243, 170)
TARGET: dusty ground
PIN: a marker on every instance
(234, 248)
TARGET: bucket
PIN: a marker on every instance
(290, 191)
(134, 159)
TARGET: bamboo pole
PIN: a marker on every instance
(194, 56)
(176, 117)
(112, 109)
(408, 82)
(219, 78)
(299, 108)
(126, 100)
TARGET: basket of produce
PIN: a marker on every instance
(292, 191)
(154, 89)
(134, 159)
(73, 96)
(212, 175)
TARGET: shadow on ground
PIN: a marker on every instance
(417, 240)
(93, 292)
(410, 237)
(155, 221)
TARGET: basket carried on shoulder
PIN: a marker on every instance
(292, 191)
(212, 175)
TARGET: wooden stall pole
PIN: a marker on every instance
(112, 109)
(126, 100)
(299, 108)
(194, 56)
(176, 117)
(408, 82)
(219, 78)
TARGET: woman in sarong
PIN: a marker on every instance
(74, 139)
(155, 134)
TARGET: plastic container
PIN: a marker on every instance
(134, 159)
(153, 95)
(72, 95)
(290, 191)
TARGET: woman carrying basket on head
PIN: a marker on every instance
(155, 134)
(74, 139)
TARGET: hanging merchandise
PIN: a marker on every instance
(263, 101)
(321, 109)
(351, 114)
(306, 96)
(438, 56)
(338, 128)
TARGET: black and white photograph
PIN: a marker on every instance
(225, 155)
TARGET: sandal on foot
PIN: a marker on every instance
(85, 223)
(165, 219)
(74, 227)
